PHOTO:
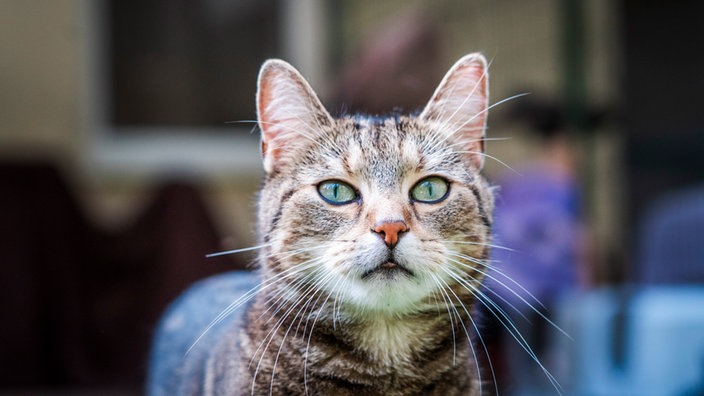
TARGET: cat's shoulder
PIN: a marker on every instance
(181, 343)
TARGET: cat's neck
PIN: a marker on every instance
(391, 339)
(393, 352)
(386, 339)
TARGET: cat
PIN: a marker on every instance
(374, 239)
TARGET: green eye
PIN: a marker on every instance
(430, 190)
(337, 192)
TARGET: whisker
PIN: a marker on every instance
(502, 101)
(531, 306)
(294, 130)
(481, 139)
(505, 320)
(499, 296)
(310, 335)
(241, 122)
(442, 138)
(264, 285)
(292, 291)
(336, 306)
(247, 249)
(518, 311)
(266, 342)
(476, 329)
(493, 268)
(311, 286)
(447, 300)
(485, 155)
(484, 75)
(485, 110)
(317, 290)
(315, 137)
(493, 246)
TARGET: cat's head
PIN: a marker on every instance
(382, 214)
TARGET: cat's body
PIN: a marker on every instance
(374, 239)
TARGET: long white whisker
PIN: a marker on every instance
(316, 290)
(485, 72)
(505, 320)
(499, 296)
(266, 284)
(247, 249)
(493, 268)
(520, 297)
(310, 335)
(487, 274)
(460, 127)
(493, 246)
(483, 111)
(266, 342)
(292, 291)
(324, 136)
(485, 155)
(476, 329)
(448, 302)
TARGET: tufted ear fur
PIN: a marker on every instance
(288, 111)
(460, 103)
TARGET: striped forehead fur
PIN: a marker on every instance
(363, 147)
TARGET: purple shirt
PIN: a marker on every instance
(537, 217)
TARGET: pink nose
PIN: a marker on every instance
(391, 231)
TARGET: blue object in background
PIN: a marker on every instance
(642, 341)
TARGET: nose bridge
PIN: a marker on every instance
(388, 216)
(387, 207)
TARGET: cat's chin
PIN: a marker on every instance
(389, 270)
(389, 288)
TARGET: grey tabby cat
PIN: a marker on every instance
(374, 238)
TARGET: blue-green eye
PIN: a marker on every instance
(430, 190)
(337, 192)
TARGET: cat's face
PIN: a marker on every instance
(380, 214)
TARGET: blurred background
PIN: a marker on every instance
(128, 151)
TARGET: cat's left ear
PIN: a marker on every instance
(460, 103)
(288, 111)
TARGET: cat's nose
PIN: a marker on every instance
(390, 231)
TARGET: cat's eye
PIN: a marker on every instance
(337, 192)
(430, 190)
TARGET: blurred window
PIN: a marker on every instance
(171, 84)
(185, 63)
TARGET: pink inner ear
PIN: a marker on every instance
(474, 81)
(478, 79)
(288, 110)
(266, 123)
(460, 105)
(274, 127)
(476, 87)
(466, 94)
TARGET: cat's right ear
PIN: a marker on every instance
(460, 105)
(288, 111)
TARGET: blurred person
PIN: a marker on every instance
(538, 236)
(395, 68)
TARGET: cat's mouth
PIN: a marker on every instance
(388, 269)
